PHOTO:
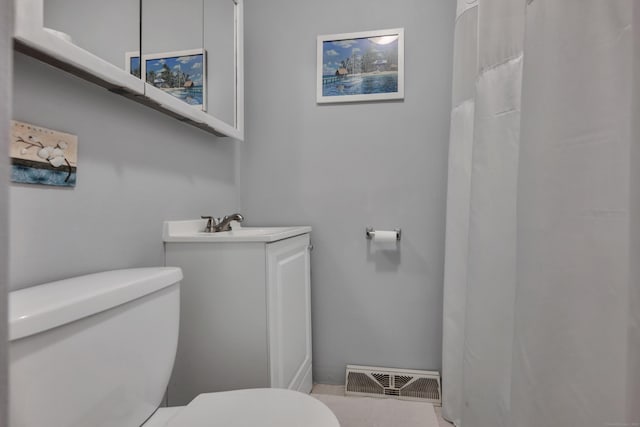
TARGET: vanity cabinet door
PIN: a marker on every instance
(222, 342)
(289, 313)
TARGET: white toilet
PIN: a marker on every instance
(97, 351)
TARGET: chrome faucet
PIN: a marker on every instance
(215, 225)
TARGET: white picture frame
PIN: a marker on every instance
(190, 58)
(130, 59)
(360, 66)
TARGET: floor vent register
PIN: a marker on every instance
(395, 383)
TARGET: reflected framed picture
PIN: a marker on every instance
(132, 63)
(181, 74)
(363, 66)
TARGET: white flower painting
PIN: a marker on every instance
(43, 156)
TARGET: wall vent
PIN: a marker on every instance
(396, 383)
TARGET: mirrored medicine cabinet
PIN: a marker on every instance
(182, 58)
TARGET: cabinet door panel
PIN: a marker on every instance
(289, 311)
(223, 341)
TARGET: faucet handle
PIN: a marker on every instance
(211, 223)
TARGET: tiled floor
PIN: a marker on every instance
(338, 390)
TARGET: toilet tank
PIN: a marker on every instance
(94, 350)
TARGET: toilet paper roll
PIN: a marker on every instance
(385, 236)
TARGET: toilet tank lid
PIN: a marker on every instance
(39, 308)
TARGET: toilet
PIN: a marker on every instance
(98, 351)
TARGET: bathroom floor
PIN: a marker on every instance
(338, 390)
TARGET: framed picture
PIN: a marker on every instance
(181, 74)
(43, 156)
(364, 66)
(132, 63)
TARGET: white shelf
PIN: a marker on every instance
(186, 113)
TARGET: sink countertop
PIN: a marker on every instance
(192, 231)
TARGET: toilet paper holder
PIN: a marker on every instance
(370, 232)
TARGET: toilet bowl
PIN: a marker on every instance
(98, 350)
(253, 407)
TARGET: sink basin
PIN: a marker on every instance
(191, 231)
(249, 231)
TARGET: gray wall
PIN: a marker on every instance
(6, 26)
(219, 37)
(136, 168)
(340, 168)
(166, 28)
(119, 19)
(170, 26)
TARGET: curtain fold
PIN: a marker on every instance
(465, 68)
(541, 298)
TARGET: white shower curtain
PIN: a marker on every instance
(542, 270)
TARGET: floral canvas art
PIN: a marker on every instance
(43, 156)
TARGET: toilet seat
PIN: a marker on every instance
(268, 407)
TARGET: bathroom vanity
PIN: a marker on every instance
(245, 308)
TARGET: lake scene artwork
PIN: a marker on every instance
(361, 68)
(134, 66)
(181, 74)
(42, 156)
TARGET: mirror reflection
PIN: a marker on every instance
(106, 29)
(173, 57)
(219, 42)
(186, 49)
